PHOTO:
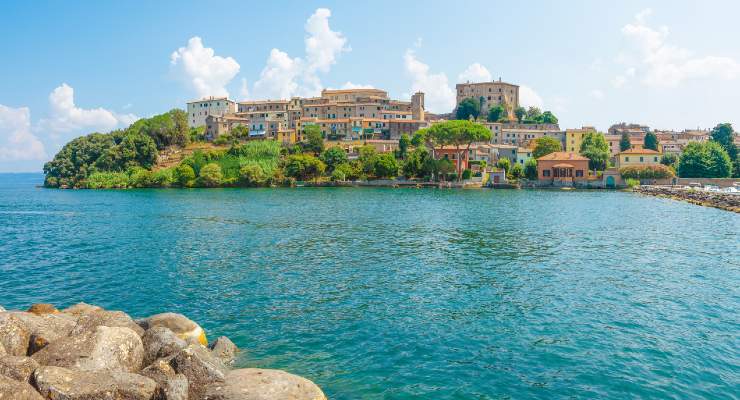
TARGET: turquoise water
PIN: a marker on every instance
(406, 293)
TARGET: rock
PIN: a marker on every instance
(45, 328)
(2, 309)
(160, 342)
(19, 368)
(2, 350)
(17, 390)
(200, 367)
(42, 308)
(170, 385)
(183, 327)
(263, 384)
(224, 349)
(105, 349)
(81, 308)
(89, 321)
(67, 384)
(14, 335)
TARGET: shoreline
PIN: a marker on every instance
(723, 201)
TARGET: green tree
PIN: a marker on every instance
(530, 169)
(704, 160)
(385, 166)
(548, 118)
(533, 114)
(252, 174)
(367, 156)
(517, 171)
(504, 163)
(184, 175)
(724, 135)
(304, 166)
(520, 113)
(720, 164)
(314, 141)
(496, 113)
(403, 146)
(669, 160)
(467, 108)
(444, 167)
(651, 141)
(210, 175)
(461, 135)
(596, 149)
(414, 164)
(545, 145)
(422, 137)
(333, 156)
(624, 142)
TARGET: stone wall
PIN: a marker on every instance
(725, 201)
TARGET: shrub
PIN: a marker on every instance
(163, 178)
(530, 169)
(140, 177)
(632, 182)
(304, 166)
(386, 166)
(184, 175)
(252, 175)
(467, 174)
(107, 180)
(210, 175)
(338, 175)
(333, 156)
(658, 171)
(350, 171)
(504, 163)
(517, 172)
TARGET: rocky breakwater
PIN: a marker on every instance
(87, 353)
(725, 201)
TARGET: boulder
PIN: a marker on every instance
(200, 367)
(183, 327)
(81, 308)
(224, 349)
(89, 321)
(19, 368)
(170, 384)
(2, 309)
(160, 342)
(67, 384)
(42, 308)
(263, 384)
(45, 328)
(105, 349)
(11, 389)
(14, 335)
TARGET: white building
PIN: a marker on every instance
(198, 110)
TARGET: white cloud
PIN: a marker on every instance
(619, 81)
(17, 142)
(419, 42)
(207, 73)
(667, 65)
(475, 73)
(529, 98)
(65, 116)
(285, 76)
(439, 97)
(597, 94)
(350, 85)
(244, 90)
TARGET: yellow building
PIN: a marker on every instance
(574, 138)
(638, 158)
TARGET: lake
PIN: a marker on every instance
(380, 293)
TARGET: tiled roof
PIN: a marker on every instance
(638, 151)
(563, 156)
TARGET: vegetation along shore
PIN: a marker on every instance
(85, 352)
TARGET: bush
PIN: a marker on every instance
(184, 175)
(386, 166)
(467, 174)
(140, 178)
(252, 175)
(504, 163)
(658, 171)
(333, 156)
(349, 171)
(163, 178)
(210, 175)
(632, 182)
(517, 172)
(530, 169)
(304, 166)
(338, 175)
(107, 180)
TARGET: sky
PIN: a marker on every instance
(72, 68)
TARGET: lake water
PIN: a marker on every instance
(406, 293)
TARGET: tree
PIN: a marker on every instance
(504, 163)
(423, 138)
(646, 172)
(210, 175)
(725, 136)
(314, 141)
(704, 160)
(545, 145)
(520, 113)
(333, 156)
(596, 149)
(533, 114)
(496, 113)
(669, 160)
(467, 108)
(625, 143)
(366, 156)
(414, 165)
(304, 166)
(548, 118)
(252, 174)
(651, 141)
(385, 166)
(444, 167)
(530, 169)
(461, 135)
(517, 171)
(184, 175)
(403, 146)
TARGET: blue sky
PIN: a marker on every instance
(70, 68)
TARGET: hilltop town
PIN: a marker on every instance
(365, 137)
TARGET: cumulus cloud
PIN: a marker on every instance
(244, 90)
(475, 73)
(205, 72)
(350, 85)
(284, 76)
(529, 98)
(667, 65)
(65, 116)
(597, 94)
(17, 142)
(439, 97)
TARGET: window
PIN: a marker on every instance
(579, 173)
(546, 172)
(641, 159)
(626, 159)
(655, 159)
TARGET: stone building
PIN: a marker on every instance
(490, 94)
(635, 130)
(198, 110)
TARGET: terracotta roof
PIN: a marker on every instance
(638, 151)
(563, 156)
(563, 165)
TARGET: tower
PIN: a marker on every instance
(417, 106)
